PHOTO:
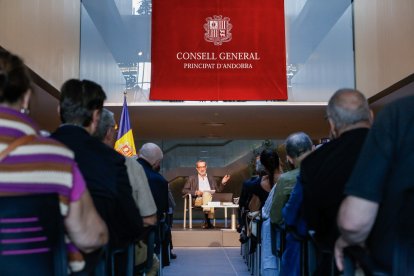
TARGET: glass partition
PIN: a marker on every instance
(116, 48)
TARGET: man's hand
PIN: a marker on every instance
(150, 220)
(225, 179)
(340, 244)
(199, 193)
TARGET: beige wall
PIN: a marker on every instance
(384, 43)
(45, 33)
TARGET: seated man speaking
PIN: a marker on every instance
(200, 187)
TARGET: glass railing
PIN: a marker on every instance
(217, 153)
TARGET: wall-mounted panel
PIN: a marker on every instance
(384, 43)
(45, 33)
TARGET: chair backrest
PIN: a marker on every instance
(32, 236)
(403, 262)
(122, 260)
(223, 197)
(150, 241)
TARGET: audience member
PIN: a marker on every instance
(383, 176)
(200, 187)
(35, 158)
(141, 191)
(170, 218)
(325, 171)
(272, 166)
(298, 146)
(150, 157)
(246, 195)
(104, 169)
(293, 213)
(271, 163)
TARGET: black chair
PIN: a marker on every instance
(124, 257)
(356, 256)
(32, 236)
(403, 259)
(101, 268)
(317, 258)
(150, 241)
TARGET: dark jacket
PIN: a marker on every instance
(324, 174)
(159, 187)
(107, 181)
(191, 186)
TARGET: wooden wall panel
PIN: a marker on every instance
(384, 43)
(45, 33)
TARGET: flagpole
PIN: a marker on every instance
(125, 140)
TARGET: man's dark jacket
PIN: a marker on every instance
(191, 186)
(324, 174)
(159, 187)
(107, 181)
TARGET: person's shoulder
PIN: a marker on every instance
(288, 177)
(51, 146)
(157, 177)
(132, 161)
(406, 102)
(70, 131)
(106, 150)
(251, 181)
(318, 155)
(400, 110)
(289, 174)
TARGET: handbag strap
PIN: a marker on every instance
(13, 145)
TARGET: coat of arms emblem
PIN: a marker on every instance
(217, 29)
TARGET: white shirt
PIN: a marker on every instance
(203, 184)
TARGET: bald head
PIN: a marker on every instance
(348, 107)
(297, 144)
(151, 153)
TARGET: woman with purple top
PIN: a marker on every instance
(43, 165)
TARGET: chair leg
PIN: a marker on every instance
(185, 212)
(131, 259)
(190, 214)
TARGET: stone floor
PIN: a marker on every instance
(207, 261)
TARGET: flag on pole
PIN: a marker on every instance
(125, 140)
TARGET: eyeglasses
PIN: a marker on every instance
(200, 167)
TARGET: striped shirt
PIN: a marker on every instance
(40, 166)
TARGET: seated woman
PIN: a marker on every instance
(30, 161)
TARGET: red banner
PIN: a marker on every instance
(218, 50)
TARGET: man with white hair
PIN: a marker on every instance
(325, 171)
(150, 157)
